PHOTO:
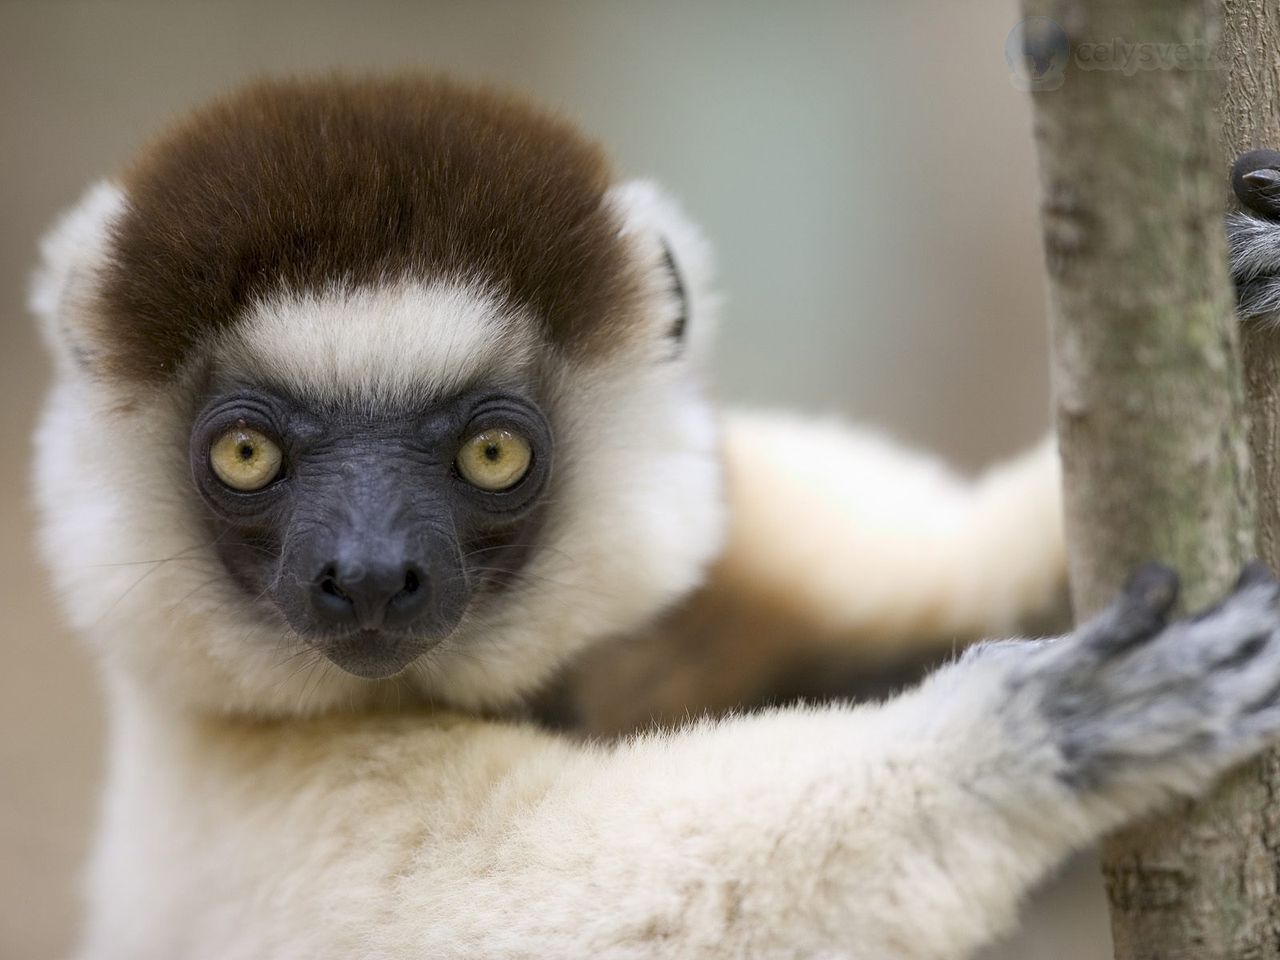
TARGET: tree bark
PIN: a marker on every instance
(1250, 114)
(1150, 400)
(1250, 120)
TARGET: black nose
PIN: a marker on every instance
(370, 595)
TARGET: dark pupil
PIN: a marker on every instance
(246, 451)
(493, 452)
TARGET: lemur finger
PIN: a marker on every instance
(1140, 613)
(1269, 702)
(1195, 699)
(1259, 723)
(1255, 177)
(1236, 643)
(1240, 656)
(1254, 241)
(1255, 573)
(1249, 691)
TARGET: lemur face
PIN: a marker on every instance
(373, 535)
(367, 387)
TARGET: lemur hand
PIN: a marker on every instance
(1137, 707)
(1253, 234)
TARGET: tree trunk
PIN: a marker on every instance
(1250, 115)
(1151, 403)
(1250, 120)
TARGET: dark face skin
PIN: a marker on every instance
(370, 540)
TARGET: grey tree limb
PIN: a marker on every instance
(1150, 401)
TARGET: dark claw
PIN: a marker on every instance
(1262, 178)
(1141, 612)
(1255, 177)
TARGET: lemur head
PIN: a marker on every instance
(365, 385)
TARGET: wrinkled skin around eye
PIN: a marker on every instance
(372, 538)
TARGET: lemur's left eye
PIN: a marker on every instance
(245, 459)
(495, 460)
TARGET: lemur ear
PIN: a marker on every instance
(679, 256)
(680, 325)
(71, 254)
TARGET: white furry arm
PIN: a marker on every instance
(887, 545)
(909, 830)
(868, 833)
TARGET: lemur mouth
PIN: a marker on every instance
(374, 654)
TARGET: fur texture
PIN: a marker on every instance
(289, 186)
(907, 830)
(843, 575)
(375, 244)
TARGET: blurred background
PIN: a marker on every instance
(864, 168)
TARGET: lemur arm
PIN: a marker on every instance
(850, 564)
(907, 830)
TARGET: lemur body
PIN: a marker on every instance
(939, 560)
(375, 402)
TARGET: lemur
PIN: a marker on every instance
(375, 401)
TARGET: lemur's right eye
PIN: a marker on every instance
(245, 459)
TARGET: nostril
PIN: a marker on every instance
(372, 595)
(412, 595)
(331, 588)
(328, 584)
(411, 582)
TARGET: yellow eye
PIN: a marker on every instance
(495, 459)
(245, 459)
